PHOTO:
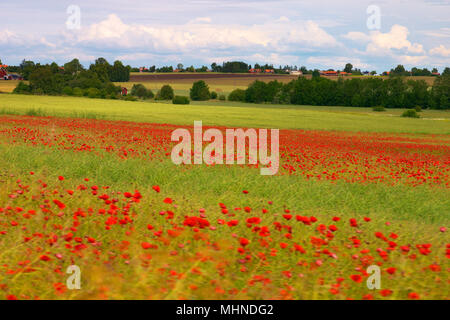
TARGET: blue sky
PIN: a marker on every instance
(317, 34)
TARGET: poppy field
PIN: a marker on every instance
(104, 195)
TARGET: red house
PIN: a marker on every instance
(329, 73)
(3, 72)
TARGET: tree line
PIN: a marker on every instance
(73, 78)
(393, 92)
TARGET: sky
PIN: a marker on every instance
(372, 35)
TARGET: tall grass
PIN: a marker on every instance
(241, 115)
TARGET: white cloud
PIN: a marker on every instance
(47, 43)
(382, 43)
(393, 46)
(440, 51)
(396, 38)
(202, 20)
(111, 28)
(200, 34)
(11, 38)
(439, 33)
(357, 36)
(412, 60)
(283, 19)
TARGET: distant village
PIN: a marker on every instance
(14, 73)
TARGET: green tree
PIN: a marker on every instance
(139, 90)
(102, 68)
(316, 73)
(200, 91)
(26, 68)
(22, 88)
(118, 72)
(215, 67)
(256, 92)
(165, 93)
(73, 67)
(235, 67)
(399, 71)
(45, 81)
(348, 68)
(237, 95)
(440, 93)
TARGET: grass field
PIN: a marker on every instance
(231, 114)
(87, 189)
(8, 86)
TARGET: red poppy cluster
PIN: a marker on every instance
(321, 155)
(277, 250)
(137, 245)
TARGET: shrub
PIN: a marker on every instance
(411, 113)
(165, 93)
(78, 92)
(93, 93)
(180, 100)
(200, 91)
(213, 95)
(103, 93)
(378, 108)
(418, 109)
(237, 95)
(139, 90)
(22, 88)
(38, 91)
(222, 97)
(130, 98)
(281, 97)
(150, 94)
(67, 91)
(113, 89)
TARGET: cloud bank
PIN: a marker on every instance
(278, 32)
